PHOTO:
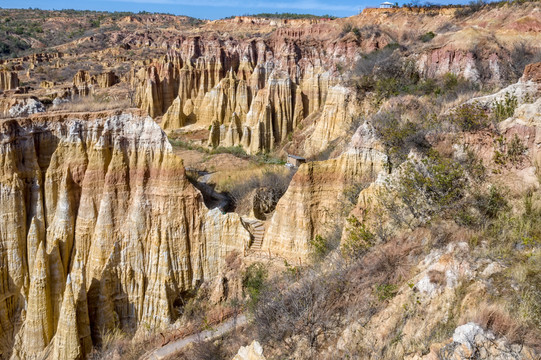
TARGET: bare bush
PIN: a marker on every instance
(277, 182)
(523, 54)
(306, 309)
(117, 344)
(310, 309)
(437, 277)
(205, 350)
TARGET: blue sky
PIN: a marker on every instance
(207, 9)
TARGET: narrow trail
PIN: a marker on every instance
(175, 346)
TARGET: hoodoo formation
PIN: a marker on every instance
(147, 210)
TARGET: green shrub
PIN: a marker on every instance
(427, 37)
(398, 136)
(320, 247)
(474, 166)
(505, 108)
(469, 117)
(490, 204)
(385, 291)
(515, 149)
(423, 188)
(233, 150)
(450, 81)
(358, 239)
(253, 281)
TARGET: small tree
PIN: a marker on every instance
(358, 239)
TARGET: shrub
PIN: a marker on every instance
(368, 62)
(515, 149)
(253, 281)
(521, 55)
(233, 150)
(469, 117)
(530, 292)
(474, 166)
(472, 8)
(385, 292)
(320, 247)
(358, 239)
(508, 151)
(306, 309)
(350, 197)
(398, 136)
(450, 81)
(427, 37)
(490, 205)
(205, 350)
(505, 108)
(422, 188)
(346, 28)
(505, 232)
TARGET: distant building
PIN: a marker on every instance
(386, 5)
(295, 161)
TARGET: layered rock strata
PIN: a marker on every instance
(83, 82)
(253, 93)
(100, 229)
(311, 204)
(8, 80)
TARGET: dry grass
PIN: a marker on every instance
(224, 348)
(92, 104)
(437, 277)
(495, 319)
(117, 344)
(225, 180)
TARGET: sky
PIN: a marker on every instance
(208, 9)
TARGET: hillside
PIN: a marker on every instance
(148, 195)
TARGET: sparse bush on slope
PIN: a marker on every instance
(422, 188)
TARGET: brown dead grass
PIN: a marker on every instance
(91, 104)
(495, 319)
(117, 344)
(226, 179)
(437, 277)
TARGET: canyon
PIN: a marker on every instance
(128, 149)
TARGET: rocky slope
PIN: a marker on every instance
(102, 229)
(255, 93)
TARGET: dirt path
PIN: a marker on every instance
(176, 346)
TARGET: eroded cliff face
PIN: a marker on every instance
(8, 80)
(314, 200)
(253, 93)
(100, 229)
